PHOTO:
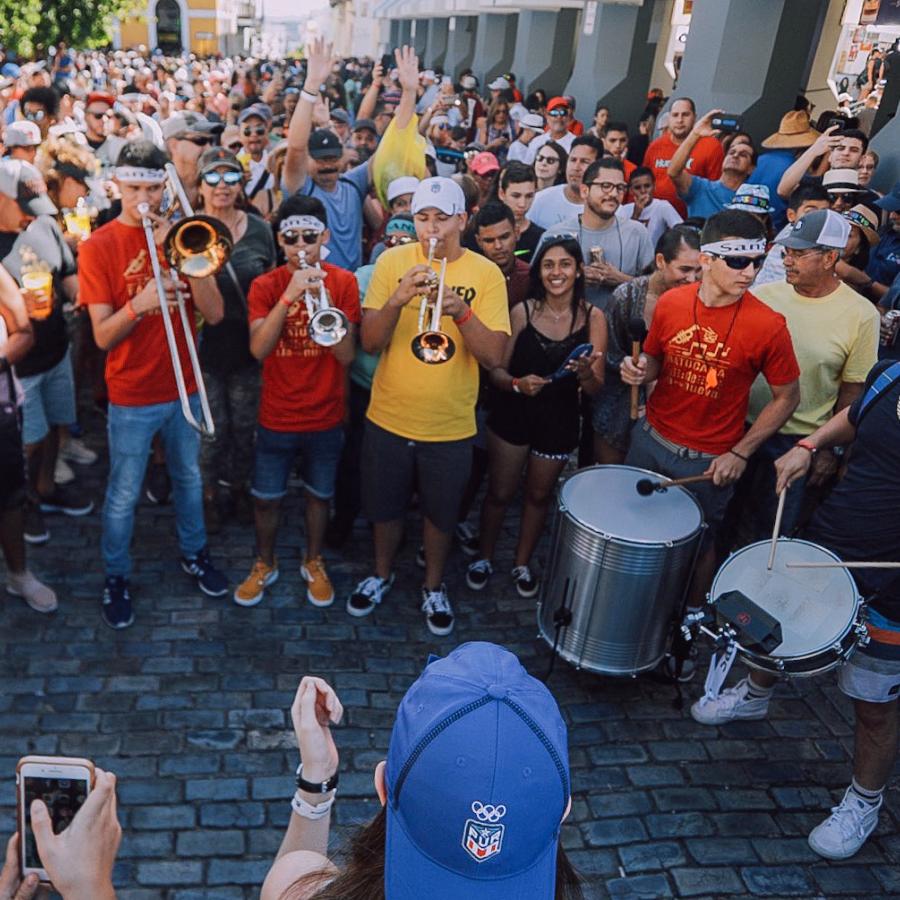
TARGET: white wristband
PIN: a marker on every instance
(308, 96)
(308, 811)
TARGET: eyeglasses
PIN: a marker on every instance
(442, 127)
(259, 130)
(35, 116)
(547, 159)
(291, 237)
(739, 263)
(198, 141)
(791, 253)
(230, 178)
(608, 186)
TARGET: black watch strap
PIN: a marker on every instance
(316, 787)
(4, 364)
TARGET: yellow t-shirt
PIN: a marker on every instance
(423, 402)
(835, 339)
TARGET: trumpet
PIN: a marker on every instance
(431, 345)
(195, 246)
(327, 324)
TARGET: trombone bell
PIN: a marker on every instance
(198, 246)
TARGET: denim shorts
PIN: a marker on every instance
(49, 400)
(274, 455)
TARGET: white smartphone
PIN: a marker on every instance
(63, 783)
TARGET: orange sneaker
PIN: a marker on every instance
(251, 590)
(319, 590)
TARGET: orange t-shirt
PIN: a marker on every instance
(710, 358)
(705, 161)
(303, 384)
(113, 266)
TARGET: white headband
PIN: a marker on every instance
(138, 173)
(301, 223)
(734, 248)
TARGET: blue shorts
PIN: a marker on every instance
(49, 400)
(274, 455)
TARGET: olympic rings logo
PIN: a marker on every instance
(488, 813)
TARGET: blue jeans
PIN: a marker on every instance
(131, 430)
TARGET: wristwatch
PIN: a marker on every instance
(316, 787)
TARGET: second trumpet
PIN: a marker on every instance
(327, 324)
(431, 345)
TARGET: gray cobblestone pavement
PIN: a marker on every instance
(190, 708)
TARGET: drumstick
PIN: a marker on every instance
(843, 565)
(781, 498)
(645, 487)
(637, 331)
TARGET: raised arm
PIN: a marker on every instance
(408, 76)
(296, 159)
(677, 170)
(370, 98)
(794, 173)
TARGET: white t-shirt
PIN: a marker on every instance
(565, 142)
(551, 207)
(773, 268)
(657, 217)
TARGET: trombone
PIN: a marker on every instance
(432, 345)
(195, 246)
(327, 324)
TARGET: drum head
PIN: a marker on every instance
(816, 607)
(605, 499)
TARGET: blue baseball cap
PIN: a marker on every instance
(477, 780)
(891, 201)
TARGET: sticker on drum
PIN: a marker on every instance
(817, 608)
(605, 500)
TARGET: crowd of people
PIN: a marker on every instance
(483, 257)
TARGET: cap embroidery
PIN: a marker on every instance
(483, 835)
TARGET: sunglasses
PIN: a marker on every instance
(99, 115)
(259, 131)
(199, 141)
(230, 178)
(739, 263)
(394, 240)
(547, 159)
(291, 237)
(558, 113)
(36, 116)
(235, 146)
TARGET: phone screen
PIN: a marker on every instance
(63, 797)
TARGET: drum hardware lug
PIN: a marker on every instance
(669, 545)
(779, 664)
(862, 634)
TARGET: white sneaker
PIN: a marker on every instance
(842, 834)
(62, 473)
(478, 574)
(438, 612)
(76, 451)
(38, 596)
(732, 703)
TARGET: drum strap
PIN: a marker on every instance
(719, 667)
(887, 378)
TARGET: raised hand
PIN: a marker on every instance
(315, 709)
(407, 68)
(319, 59)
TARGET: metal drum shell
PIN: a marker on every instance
(849, 626)
(624, 592)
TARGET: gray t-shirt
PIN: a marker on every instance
(626, 245)
(551, 206)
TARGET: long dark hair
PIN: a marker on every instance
(563, 160)
(536, 290)
(363, 876)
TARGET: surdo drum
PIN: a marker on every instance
(619, 569)
(820, 610)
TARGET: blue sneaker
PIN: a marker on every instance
(116, 609)
(209, 579)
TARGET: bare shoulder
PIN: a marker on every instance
(291, 867)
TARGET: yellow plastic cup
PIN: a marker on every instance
(78, 225)
(40, 286)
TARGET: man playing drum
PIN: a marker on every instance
(858, 522)
(706, 346)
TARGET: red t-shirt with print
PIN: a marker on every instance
(705, 160)
(303, 384)
(113, 266)
(710, 358)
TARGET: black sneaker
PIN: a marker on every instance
(368, 594)
(467, 540)
(159, 487)
(438, 612)
(35, 531)
(688, 667)
(67, 500)
(526, 583)
(209, 579)
(479, 574)
(116, 609)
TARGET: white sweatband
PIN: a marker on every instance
(301, 223)
(139, 173)
(308, 811)
(738, 247)
(308, 96)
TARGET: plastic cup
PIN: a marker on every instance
(78, 225)
(40, 286)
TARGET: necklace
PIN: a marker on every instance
(556, 316)
(712, 376)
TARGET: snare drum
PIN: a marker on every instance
(820, 610)
(620, 565)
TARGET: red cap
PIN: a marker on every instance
(557, 102)
(484, 163)
(100, 97)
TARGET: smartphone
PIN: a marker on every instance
(840, 121)
(566, 368)
(595, 255)
(387, 63)
(728, 123)
(63, 783)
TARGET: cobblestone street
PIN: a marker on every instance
(190, 708)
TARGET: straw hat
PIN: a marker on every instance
(793, 132)
(866, 219)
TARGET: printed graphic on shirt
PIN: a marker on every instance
(295, 339)
(697, 360)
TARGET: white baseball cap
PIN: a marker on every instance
(533, 121)
(499, 84)
(22, 134)
(819, 228)
(440, 193)
(468, 82)
(406, 184)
